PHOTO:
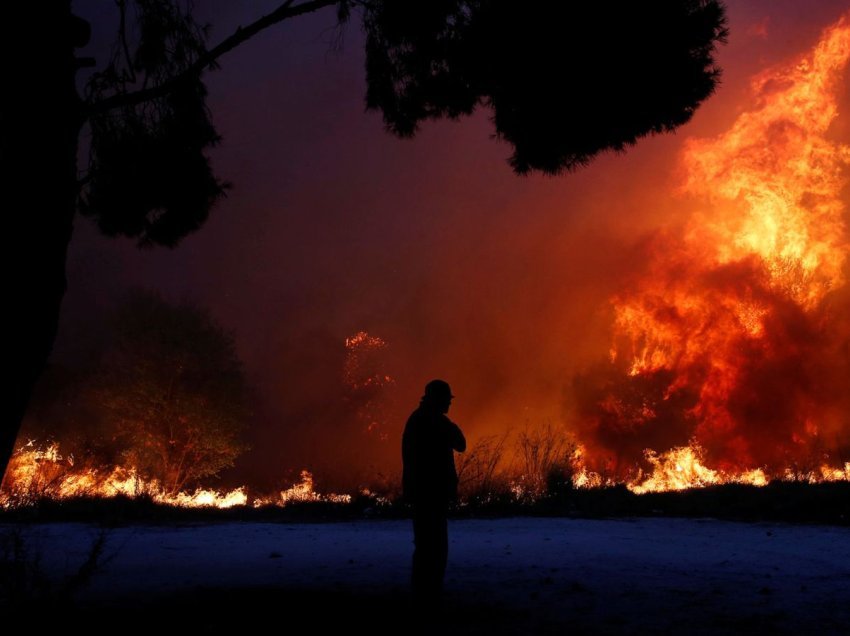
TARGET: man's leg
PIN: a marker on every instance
(420, 552)
(430, 538)
(441, 547)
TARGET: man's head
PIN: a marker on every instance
(438, 394)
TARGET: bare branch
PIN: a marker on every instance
(283, 12)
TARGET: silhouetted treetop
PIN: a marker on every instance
(564, 80)
(149, 177)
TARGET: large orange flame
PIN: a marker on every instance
(727, 348)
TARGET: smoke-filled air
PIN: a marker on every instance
(673, 316)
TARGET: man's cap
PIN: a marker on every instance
(438, 389)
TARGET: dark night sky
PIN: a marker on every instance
(495, 282)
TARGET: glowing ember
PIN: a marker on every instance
(727, 348)
(359, 374)
(304, 492)
(366, 381)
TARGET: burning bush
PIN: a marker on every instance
(733, 340)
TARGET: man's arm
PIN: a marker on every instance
(456, 439)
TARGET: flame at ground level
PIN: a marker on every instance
(682, 468)
(35, 473)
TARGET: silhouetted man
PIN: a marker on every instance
(430, 485)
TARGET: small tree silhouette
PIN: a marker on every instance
(173, 389)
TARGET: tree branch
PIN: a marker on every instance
(283, 12)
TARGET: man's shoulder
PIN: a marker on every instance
(427, 419)
(416, 417)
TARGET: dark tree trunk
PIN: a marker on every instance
(39, 128)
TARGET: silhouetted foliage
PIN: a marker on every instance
(148, 175)
(564, 80)
(546, 454)
(477, 468)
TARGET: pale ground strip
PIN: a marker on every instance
(598, 576)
